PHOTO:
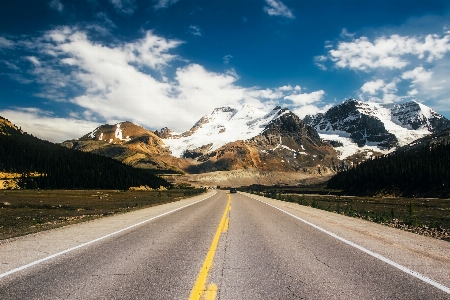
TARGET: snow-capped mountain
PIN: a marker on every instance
(233, 138)
(128, 143)
(224, 125)
(356, 126)
(285, 144)
(257, 146)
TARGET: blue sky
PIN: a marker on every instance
(68, 66)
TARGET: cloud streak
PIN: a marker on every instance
(56, 5)
(160, 4)
(277, 8)
(126, 7)
(195, 30)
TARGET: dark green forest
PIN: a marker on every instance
(422, 172)
(64, 168)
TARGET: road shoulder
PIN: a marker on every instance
(425, 255)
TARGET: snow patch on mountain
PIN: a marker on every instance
(404, 133)
(119, 134)
(349, 147)
(224, 125)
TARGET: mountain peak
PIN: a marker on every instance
(119, 133)
(224, 125)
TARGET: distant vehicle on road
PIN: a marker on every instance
(233, 191)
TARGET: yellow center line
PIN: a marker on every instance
(199, 288)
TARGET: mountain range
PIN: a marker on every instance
(247, 145)
(357, 127)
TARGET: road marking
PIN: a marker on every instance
(199, 290)
(225, 226)
(211, 292)
(371, 253)
(96, 240)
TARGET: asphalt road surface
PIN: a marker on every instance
(229, 246)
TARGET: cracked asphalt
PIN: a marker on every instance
(263, 254)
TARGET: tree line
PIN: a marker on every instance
(63, 168)
(420, 172)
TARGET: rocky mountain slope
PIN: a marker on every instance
(247, 138)
(128, 143)
(363, 129)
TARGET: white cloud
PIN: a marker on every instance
(345, 33)
(266, 94)
(226, 59)
(286, 88)
(381, 91)
(305, 98)
(50, 128)
(164, 3)
(130, 81)
(195, 30)
(5, 43)
(418, 75)
(413, 92)
(106, 20)
(372, 87)
(202, 91)
(307, 103)
(310, 109)
(33, 60)
(124, 6)
(277, 8)
(11, 65)
(404, 66)
(319, 61)
(56, 5)
(388, 52)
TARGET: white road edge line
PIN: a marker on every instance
(96, 240)
(376, 255)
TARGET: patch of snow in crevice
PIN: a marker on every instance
(92, 134)
(349, 147)
(119, 134)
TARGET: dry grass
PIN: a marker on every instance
(29, 211)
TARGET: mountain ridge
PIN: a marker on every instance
(375, 127)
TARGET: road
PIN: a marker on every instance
(230, 246)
